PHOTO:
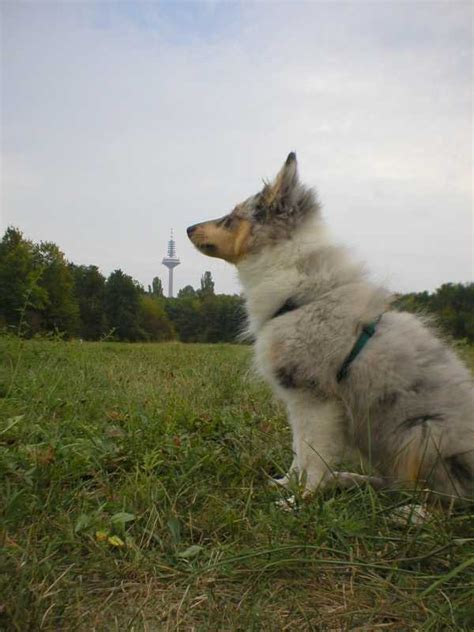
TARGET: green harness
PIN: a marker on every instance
(367, 332)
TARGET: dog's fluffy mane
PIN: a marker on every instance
(406, 402)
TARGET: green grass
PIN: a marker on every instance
(134, 497)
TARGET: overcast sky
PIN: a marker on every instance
(121, 121)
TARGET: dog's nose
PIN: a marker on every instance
(190, 230)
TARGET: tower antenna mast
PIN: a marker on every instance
(171, 261)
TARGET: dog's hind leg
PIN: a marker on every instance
(430, 459)
(350, 479)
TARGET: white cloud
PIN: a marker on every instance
(122, 121)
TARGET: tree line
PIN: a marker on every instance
(41, 292)
(452, 304)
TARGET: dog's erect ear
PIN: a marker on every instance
(285, 182)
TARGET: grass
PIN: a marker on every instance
(134, 497)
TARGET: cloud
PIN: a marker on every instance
(123, 120)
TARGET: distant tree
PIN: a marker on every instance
(187, 290)
(61, 311)
(153, 319)
(123, 306)
(211, 318)
(223, 318)
(20, 290)
(452, 304)
(157, 287)
(413, 302)
(185, 314)
(207, 284)
(89, 289)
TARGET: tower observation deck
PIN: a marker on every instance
(171, 261)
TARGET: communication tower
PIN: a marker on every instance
(171, 261)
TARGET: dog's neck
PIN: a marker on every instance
(273, 276)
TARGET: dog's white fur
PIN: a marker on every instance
(406, 402)
(268, 278)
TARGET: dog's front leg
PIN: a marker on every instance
(318, 437)
(284, 481)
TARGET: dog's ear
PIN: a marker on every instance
(281, 189)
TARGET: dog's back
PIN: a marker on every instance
(411, 402)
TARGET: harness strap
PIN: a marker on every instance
(288, 306)
(367, 332)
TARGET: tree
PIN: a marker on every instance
(223, 318)
(207, 284)
(187, 290)
(452, 304)
(122, 306)
(157, 287)
(61, 311)
(89, 289)
(185, 314)
(20, 291)
(153, 319)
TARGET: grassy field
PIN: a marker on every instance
(134, 497)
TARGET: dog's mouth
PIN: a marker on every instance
(195, 235)
(207, 249)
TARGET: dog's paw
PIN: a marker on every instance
(287, 504)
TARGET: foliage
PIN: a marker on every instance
(20, 271)
(89, 289)
(185, 314)
(61, 311)
(134, 496)
(208, 318)
(157, 287)
(122, 306)
(203, 316)
(207, 285)
(153, 319)
(452, 304)
(187, 290)
(222, 317)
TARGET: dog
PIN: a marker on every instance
(353, 372)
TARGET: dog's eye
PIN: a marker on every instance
(225, 222)
(260, 213)
(228, 222)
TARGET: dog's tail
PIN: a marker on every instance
(458, 471)
(424, 461)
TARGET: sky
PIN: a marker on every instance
(120, 121)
